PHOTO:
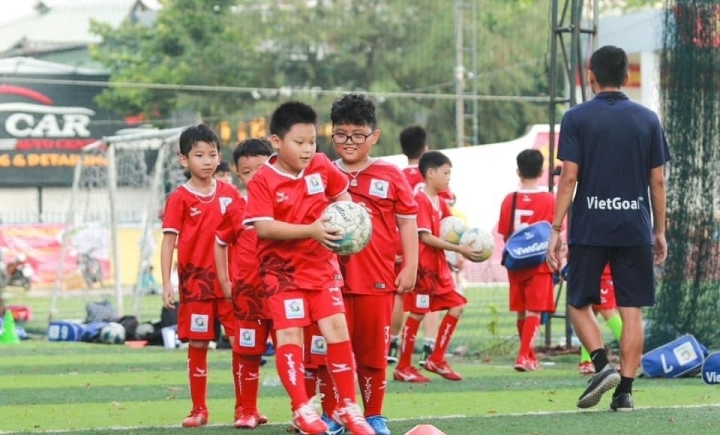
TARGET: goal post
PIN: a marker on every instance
(117, 189)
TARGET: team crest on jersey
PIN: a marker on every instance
(225, 201)
(246, 337)
(294, 309)
(379, 188)
(318, 346)
(199, 322)
(422, 301)
(314, 184)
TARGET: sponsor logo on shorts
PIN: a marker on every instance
(246, 337)
(318, 346)
(294, 309)
(199, 322)
(379, 286)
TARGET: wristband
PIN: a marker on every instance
(557, 228)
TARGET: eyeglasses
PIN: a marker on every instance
(356, 139)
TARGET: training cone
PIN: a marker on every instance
(9, 334)
(425, 429)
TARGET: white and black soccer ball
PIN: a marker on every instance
(479, 240)
(452, 228)
(112, 333)
(354, 223)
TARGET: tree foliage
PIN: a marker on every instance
(349, 45)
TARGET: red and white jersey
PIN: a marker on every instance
(194, 218)
(531, 206)
(275, 195)
(383, 189)
(248, 290)
(606, 275)
(434, 275)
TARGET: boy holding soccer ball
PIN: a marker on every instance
(435, 290)
(243, 282)
(192, 213)
(370, 279)
(286, 200)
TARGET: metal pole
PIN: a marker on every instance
(459, 76)
(112, 193)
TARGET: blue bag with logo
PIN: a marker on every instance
(527, 247)
(681, 357)
(710, 370)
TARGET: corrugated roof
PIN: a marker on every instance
(28, 65)
(66, 24)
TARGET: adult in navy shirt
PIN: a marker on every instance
(614, 151)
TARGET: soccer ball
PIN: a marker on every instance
(354, 223)
(452, 228)
(479, 240)
(112, 333)
(452, 259)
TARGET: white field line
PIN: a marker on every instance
(429, 419)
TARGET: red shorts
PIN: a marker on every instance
(531, 291)
(369, 318)
(252, 337)
(300, 308)
(421, 303)
(314, 347)
(196, 319)
(607, 296)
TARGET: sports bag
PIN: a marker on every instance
(680, 358)
(710, 370)
(527, 247)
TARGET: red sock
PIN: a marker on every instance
(527, 339)
(236, 379)
(288, 360)
(341, 365)
(249, 381)
(520, 325)
(372, 389)
(197, 375)
(407, 342)
(328, 390)
(445, 332)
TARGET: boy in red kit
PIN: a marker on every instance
(435, 290)
(192, 213)
(286, 199)
(531, 290)
(237, 242)
(370, 279)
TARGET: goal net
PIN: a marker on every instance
(112, 225)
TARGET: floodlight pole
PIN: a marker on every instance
(580, 20)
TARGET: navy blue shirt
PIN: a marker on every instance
(615, 142)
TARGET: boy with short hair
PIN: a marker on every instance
(531, 289)
(192, 213)
(435, 290)
(286, 200)
(223, 172)
(370, 279)
(235, 250)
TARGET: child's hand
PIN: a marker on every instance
(405, 281)
(168, 297)
(325, 235)
(468, 253)
(367, 209)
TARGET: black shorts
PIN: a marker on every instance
(632, 269)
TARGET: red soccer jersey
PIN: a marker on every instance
(383, 189)
(194, 218)
(248, 290)
(434, 275)
(607, 274)
(531, 206)
(275, 195)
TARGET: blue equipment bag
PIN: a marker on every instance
(63, 330)
(711, 369)
(680, 358)
(527, 247)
